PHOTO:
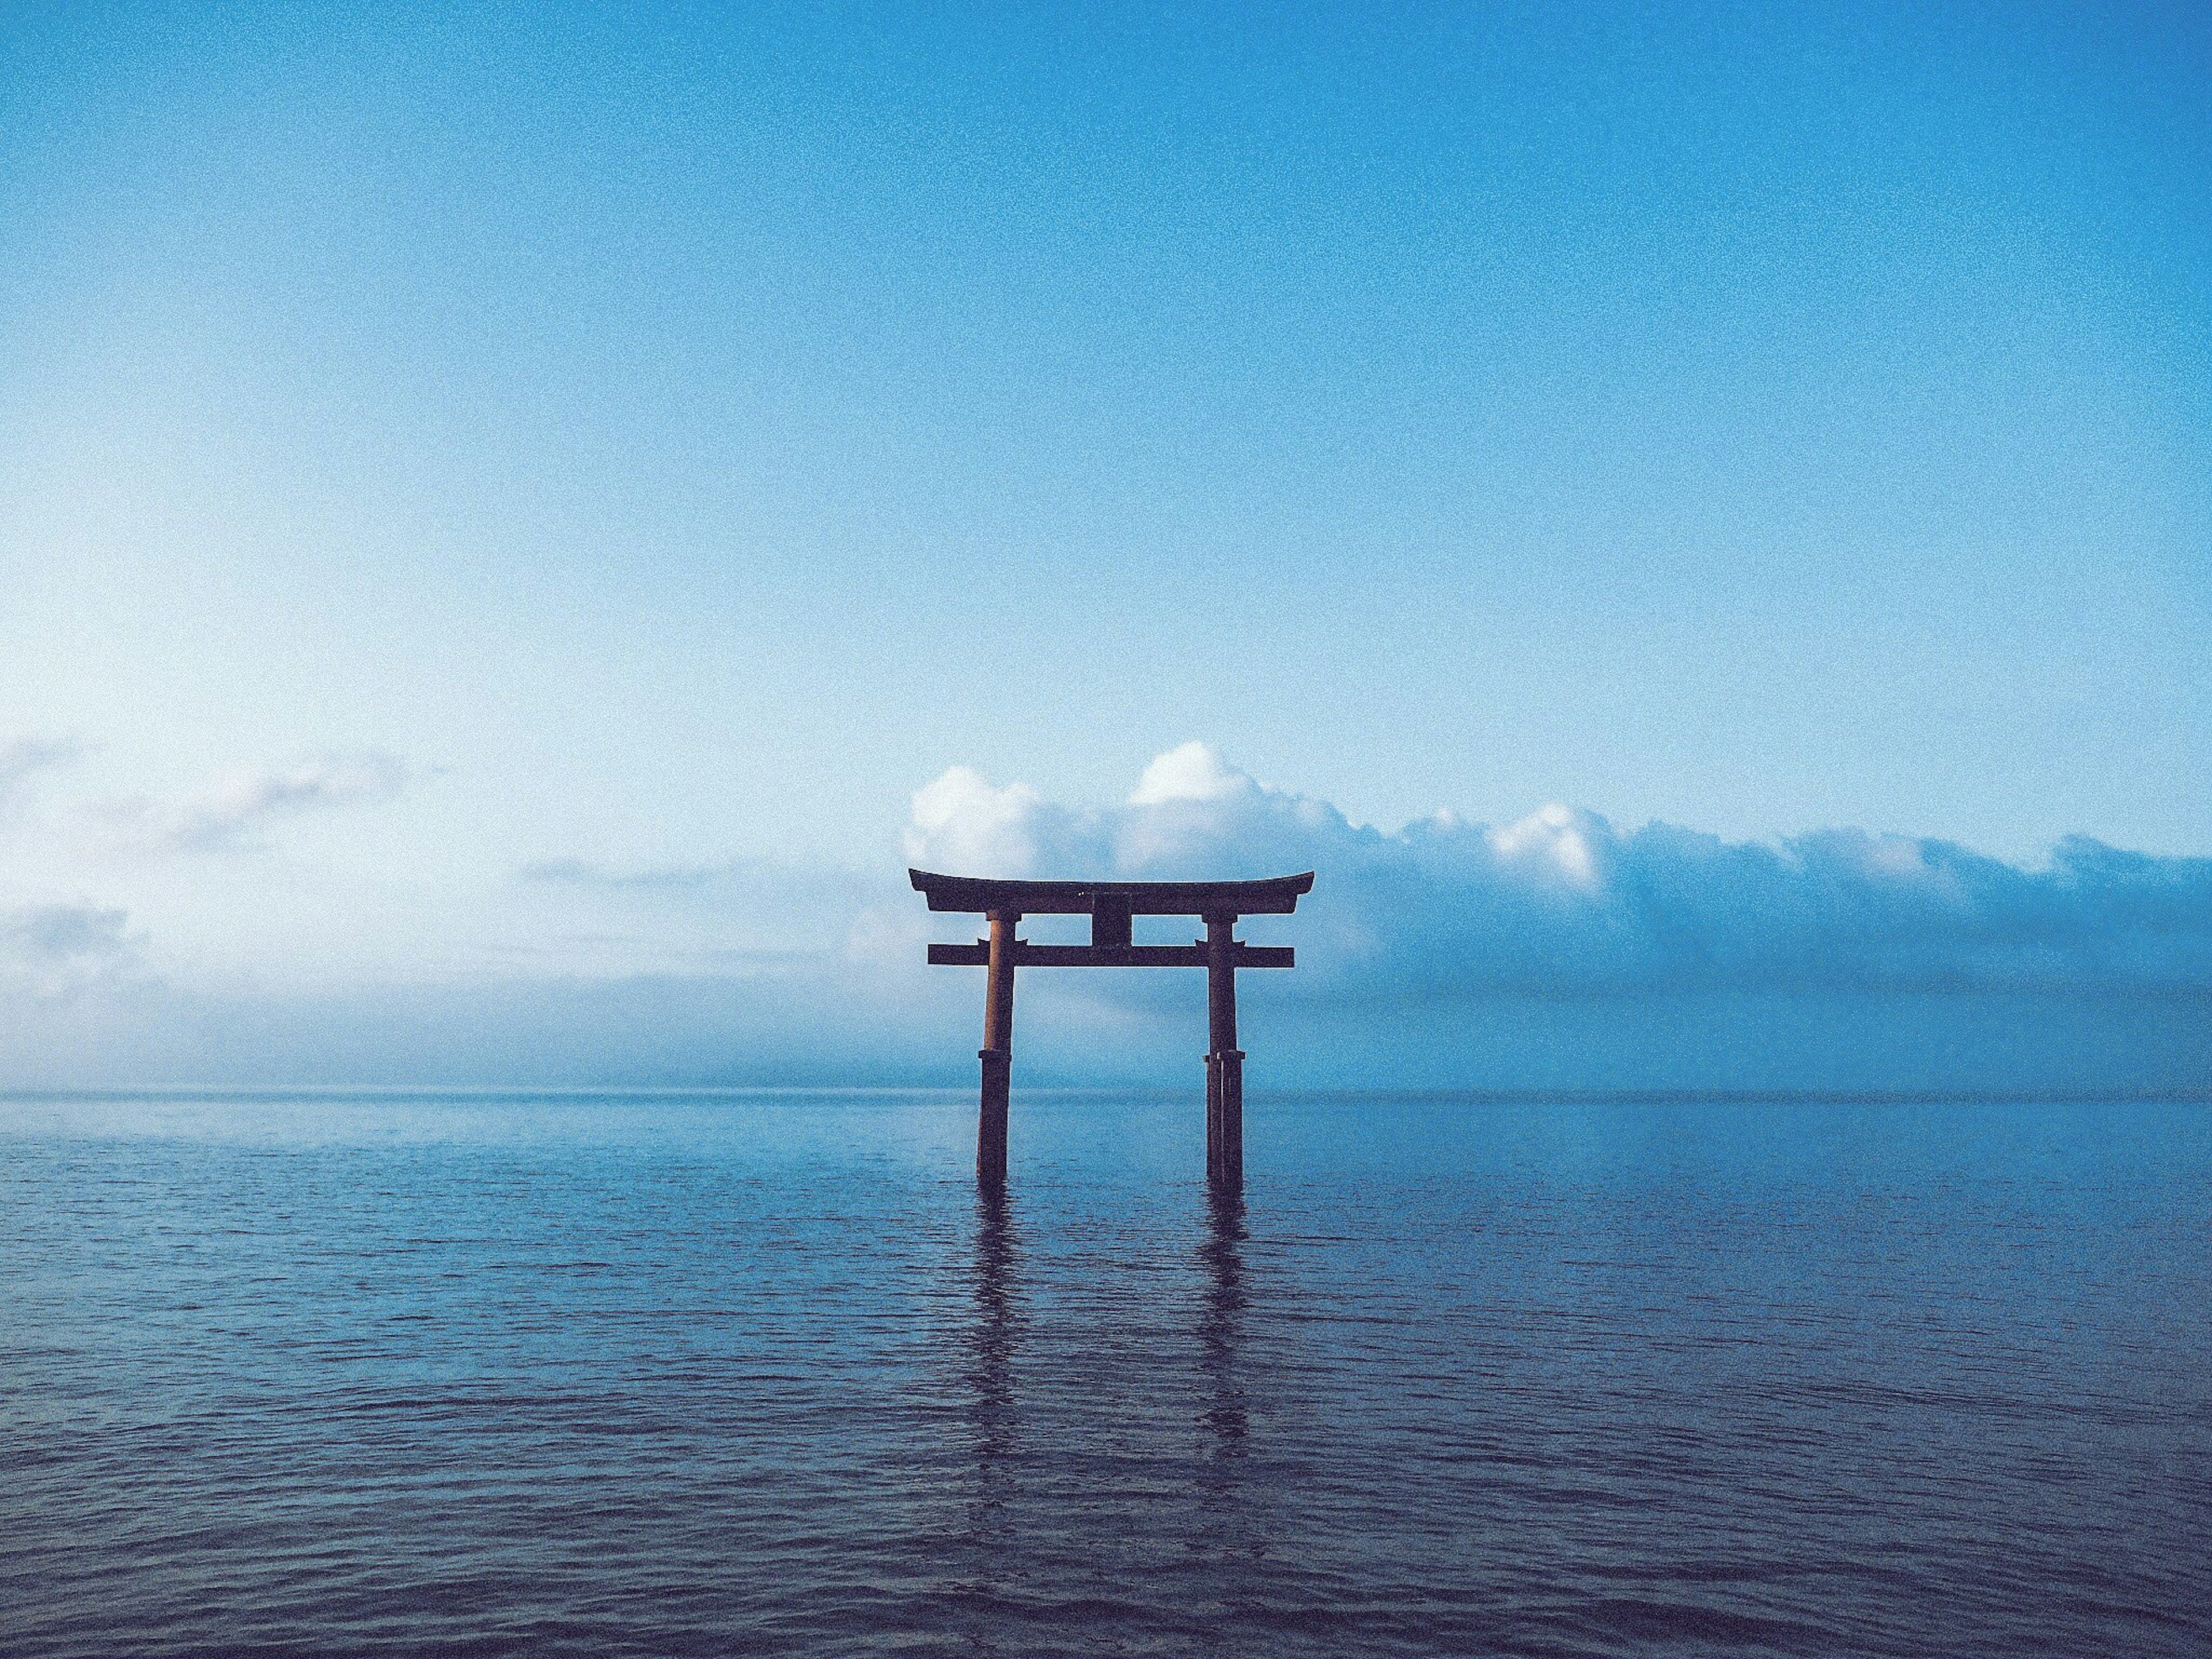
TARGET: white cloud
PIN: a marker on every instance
(23, 760)
(980, 830)
(1553, 843)
(48, 950)
(1562, 902)
(1191, 772)
(228, 814)
(657, 878)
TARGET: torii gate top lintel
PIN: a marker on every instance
(1275, 895)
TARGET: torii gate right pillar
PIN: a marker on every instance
(1224, 1060)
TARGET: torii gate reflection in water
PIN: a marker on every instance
(1110, 904)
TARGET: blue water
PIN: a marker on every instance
(757, 1373)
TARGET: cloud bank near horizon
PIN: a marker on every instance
(1556, 950)
(1561, 903)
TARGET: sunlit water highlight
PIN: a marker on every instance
(757, 1373)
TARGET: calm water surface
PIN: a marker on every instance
(756, 1373)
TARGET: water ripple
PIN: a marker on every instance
(762, 1373)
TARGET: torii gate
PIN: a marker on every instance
(1110, 904)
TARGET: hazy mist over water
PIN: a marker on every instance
(757, 1372)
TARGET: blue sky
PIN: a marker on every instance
(442, 448)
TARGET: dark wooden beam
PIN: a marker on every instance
(997, 1053)
(1026, 955)
(1224, 1060)
(1275, 895)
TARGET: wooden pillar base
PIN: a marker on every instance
(1225, 1119)
(991, 1124)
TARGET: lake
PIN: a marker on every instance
(758, 1372)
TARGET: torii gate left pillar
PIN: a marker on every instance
(998, 1051)
(1110, 906)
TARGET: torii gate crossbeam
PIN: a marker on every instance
(1110, 904)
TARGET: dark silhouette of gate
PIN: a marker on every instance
(1110, 904)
